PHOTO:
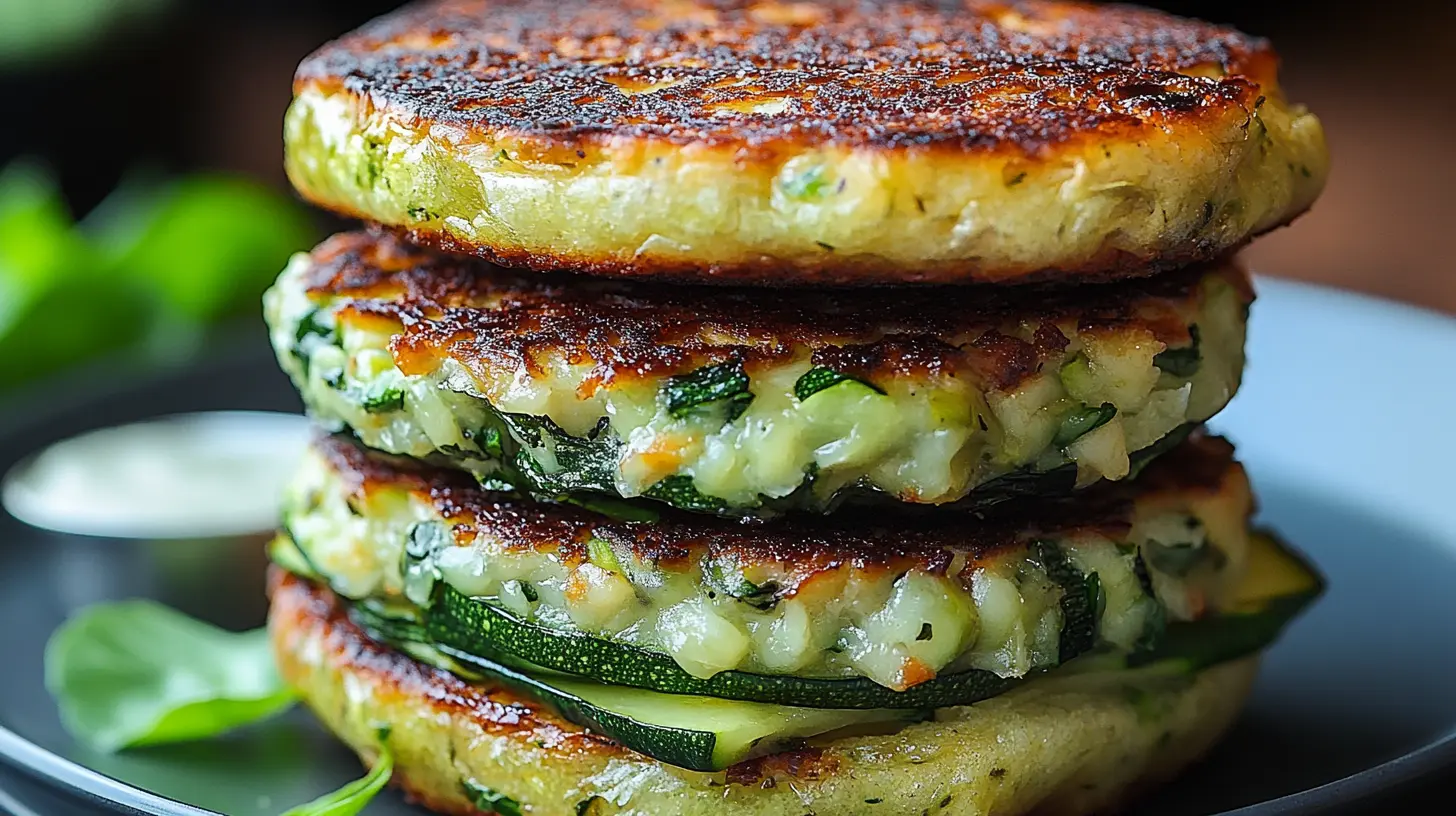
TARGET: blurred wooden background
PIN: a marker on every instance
(206, 86)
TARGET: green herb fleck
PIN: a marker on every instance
(825, 246)
(312, 332)
(945, 803)
(809, 185)
(729, 580)
(490, 801)
(926, 632)
(1083, 421)
(587, 806)
(382, 399)
(490, 442)
(820, 377)
(874, 801)
(723, 384)
(1016, 179)
(599, 552)
(997, 773)
(1184, 361)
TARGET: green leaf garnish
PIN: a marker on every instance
(725, 382)
(819, 378)
(1081, 422)
(1181, 362)
(137, 673)
(355, 796)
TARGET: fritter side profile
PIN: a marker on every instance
(837, 141)
(722, 400)
(899, 601)
(1065, 747)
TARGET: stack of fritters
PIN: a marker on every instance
(780, 407)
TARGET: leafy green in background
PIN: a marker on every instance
(150, 270)
(39, 30)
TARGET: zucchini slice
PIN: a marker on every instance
(697, 733)
(473, 627)
(1279, 585)
(706, 733)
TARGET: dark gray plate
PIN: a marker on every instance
(1345, 422)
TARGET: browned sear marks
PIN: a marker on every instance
(972, 75)
(494, 319)
(801, 546)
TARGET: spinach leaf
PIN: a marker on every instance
(355, 796)
(725, 383)
(582, 463)
(137, 673)
(1181, 362)
(819, 378)
(680, 492)
(1081, 422)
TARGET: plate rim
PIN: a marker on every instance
(51, 768)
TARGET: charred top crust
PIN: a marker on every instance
(972, 75)
(861, 538)
(298, 605)
(505, 319)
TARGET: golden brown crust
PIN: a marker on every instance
(972, 76)
(301, 609)
(492, 319)
(868, 539)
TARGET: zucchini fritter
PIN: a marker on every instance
(897, 600)
(837, 141)
(744, 402)
(1072, 745)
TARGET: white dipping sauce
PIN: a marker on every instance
(183, 476)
